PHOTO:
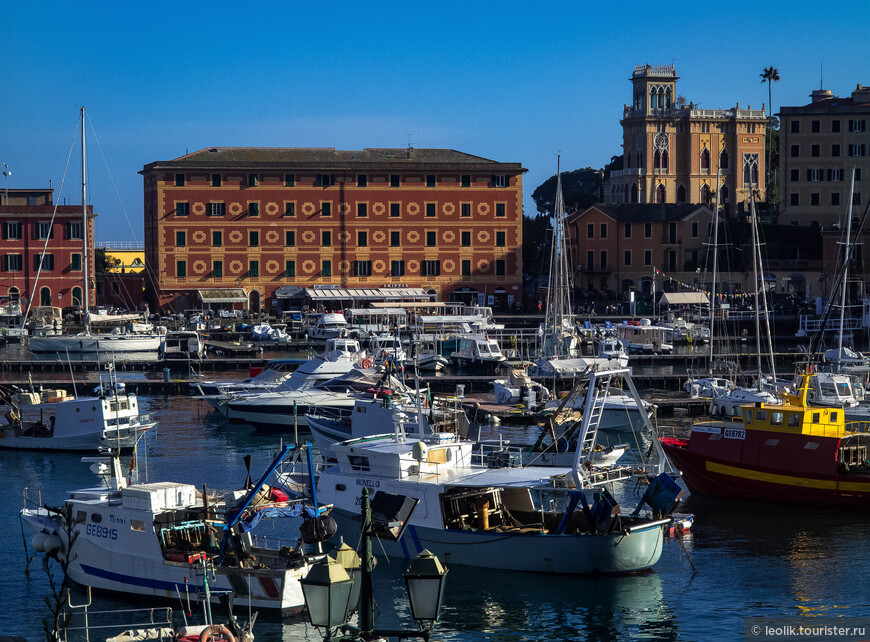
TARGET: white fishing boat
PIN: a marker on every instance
(115, 342)
(158, 540)
(12, 322)
(84, 424)
(621, 412)
(344, 348)
(327, 326)
(507, 518)
(387, 348)
(613, 350)
(642, 337)
(181, 345)
(479, 353)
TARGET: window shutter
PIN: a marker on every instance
(809, 174)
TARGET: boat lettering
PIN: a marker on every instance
(735, 433)
(370, 483)
(715, 430)
(116, 520)
(96, 530)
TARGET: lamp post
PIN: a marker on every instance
(329, 583)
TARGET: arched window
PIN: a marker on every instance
(665, 159)
(705, 193)
(14, 294)
(45, 296)
(723, 159)
(705, 158)
(625, 193)
(723, 198)
(660, 194)
(681, 194)
(634, 192)
(77, 297)
(657, 160)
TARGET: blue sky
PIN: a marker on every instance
(511, 81)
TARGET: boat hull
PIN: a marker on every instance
(125, 440)
(732, 479)
(106, 343)
(534, 552)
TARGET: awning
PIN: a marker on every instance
(224, 295)
(366, 294)
(684, 298)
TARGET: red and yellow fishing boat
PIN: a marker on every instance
(790, 452)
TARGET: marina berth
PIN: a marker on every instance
(479, 354)
(160, 540)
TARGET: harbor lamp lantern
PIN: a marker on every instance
(326, 590)
(425, 583)
(352, 564)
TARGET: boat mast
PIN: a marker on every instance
(559, 308)
(848, 251)
(85, 298)
(755, 276)
(715, 265)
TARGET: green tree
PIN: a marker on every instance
(770, 75)
(580, 189)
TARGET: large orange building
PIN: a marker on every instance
(675, 152)
(36, 234)
(257, 219)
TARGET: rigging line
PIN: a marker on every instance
(149, 275)
(50, 227)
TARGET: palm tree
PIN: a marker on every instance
(770, 75)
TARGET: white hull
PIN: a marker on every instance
(93, 343)
(125, 440)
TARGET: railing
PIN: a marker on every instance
(120, 245)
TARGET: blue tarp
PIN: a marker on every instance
(273, 512)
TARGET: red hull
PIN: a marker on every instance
(709, 474)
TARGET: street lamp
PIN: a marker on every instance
(424, 580)
(329, 597)
(326, 590)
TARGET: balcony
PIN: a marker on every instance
(671, 240)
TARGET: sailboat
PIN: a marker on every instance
(115, 342)
(558, 353)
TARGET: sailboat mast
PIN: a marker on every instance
(845, 271)
(715, 266)
(85, 258)
(755, 275)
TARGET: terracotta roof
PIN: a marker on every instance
(327, 158)
(644, 212)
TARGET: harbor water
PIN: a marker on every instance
(751, 560)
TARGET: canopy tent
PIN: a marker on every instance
(223, 295)
(684, 298)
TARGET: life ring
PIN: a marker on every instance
(367, 363)
(216, 632)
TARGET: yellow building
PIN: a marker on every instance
(675, 152)
(124, 257)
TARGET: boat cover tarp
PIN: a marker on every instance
(684, 298)
(273, 512)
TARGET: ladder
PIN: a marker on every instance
(595, 398)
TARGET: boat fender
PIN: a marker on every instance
(216, 632)
(318, 529)
(38, 541)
